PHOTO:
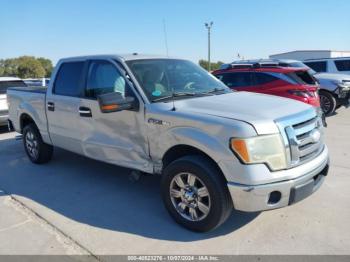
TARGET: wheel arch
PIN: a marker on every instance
(182, 150)
(24, 120)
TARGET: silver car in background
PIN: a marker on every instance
(334, 88)
(5, 83)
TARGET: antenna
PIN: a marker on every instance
(165, 38)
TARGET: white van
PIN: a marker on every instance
(339, 65)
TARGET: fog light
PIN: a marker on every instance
(274, 198)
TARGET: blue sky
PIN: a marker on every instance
(255, 28)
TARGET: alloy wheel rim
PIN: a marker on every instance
(190, 196)
(32, 144)
(325, 104)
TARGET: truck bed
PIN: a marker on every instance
(31, 102)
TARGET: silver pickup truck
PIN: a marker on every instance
(216, 149)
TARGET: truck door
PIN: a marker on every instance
(117, 137)
(62, 106)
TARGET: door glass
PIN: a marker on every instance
(265, 78)
(236, 80)
(103, 78)
(317, 66)
(342, 65)
(68, 79)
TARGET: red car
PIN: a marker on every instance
(272, 79)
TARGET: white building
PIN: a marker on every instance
(310, 54)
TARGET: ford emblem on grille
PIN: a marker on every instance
(315, 135)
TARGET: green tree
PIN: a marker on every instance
(29, 67)
(47, 65)
(26, 67)
(2, 67)
(213, 66)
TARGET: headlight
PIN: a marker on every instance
(267, 149)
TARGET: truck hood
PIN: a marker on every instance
(259, 110)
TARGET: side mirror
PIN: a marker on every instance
(114, 102)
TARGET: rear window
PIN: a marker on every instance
(319, 67)
(4, 85)
(342, 65)
(68, 79)
(302, 77)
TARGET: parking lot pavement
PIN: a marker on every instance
(105, 212)
(21, 232)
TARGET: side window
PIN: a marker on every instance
(236, 80)
(263, 78)
(317, 66)
(104, 77)
(68, 79)
(342, 65)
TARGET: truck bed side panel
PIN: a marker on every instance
(32, 103)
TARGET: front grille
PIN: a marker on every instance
(309, 142)
(303, 135)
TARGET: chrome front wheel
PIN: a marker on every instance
(190, 196)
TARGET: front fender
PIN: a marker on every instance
(215, 147)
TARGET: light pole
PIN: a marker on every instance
(208, 26)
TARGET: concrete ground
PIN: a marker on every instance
(75, 205)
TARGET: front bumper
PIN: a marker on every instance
(343, 95)
(278, 194)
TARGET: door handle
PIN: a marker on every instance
(85, 111)
(51, 106)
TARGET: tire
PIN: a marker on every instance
(37, 151)
(328, 102)
(217, 205)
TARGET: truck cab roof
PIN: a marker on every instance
(124, 57)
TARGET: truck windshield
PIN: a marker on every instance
(163, 79)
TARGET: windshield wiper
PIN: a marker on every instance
(215, 90)
(189, 94)
(184, 94)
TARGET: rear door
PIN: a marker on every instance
(62, 103)
(271, 83)
(117, 137)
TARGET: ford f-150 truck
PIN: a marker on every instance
(215, 148)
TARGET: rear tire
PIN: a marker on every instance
(328, 102)
(200, 203)
(37, 151)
